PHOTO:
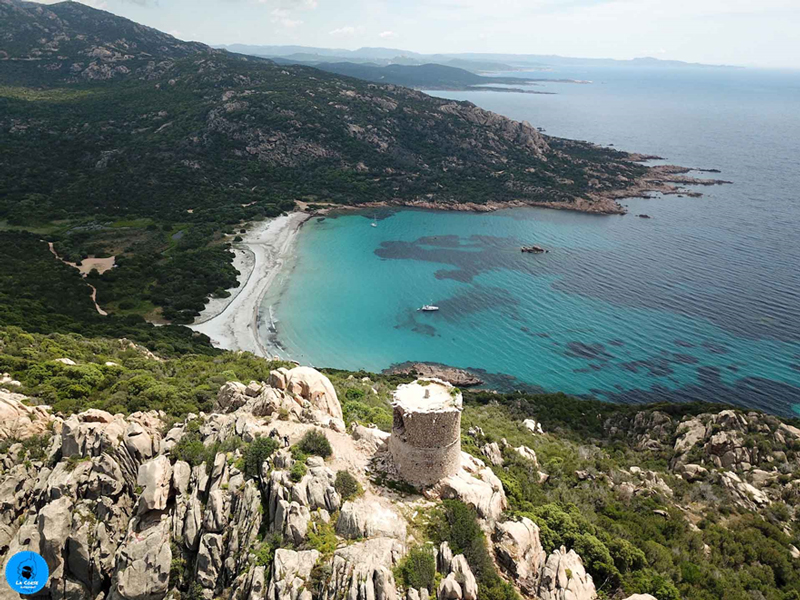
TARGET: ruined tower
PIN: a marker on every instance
(426, 431)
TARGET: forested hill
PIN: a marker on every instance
(98, 114)
(70, 41)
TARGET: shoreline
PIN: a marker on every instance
(668, 180)
(232, 323)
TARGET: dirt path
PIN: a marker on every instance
(104, 262)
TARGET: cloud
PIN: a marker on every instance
(347, 31)
(388, 35)
(283, 18)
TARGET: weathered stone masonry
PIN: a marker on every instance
(426, 432)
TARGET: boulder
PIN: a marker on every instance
(365, 518)
(528, 454)
(311, 385)
(533, 426)
(691, 472)
(493, 453)
(689, 432)
(519, 552)
(371, 438)
(143, 562)
(231, 396)
(449, 588)
(92, 432)
(19, 421)
(564, 578)
(155, 478)
(463, 575)
(477, 485)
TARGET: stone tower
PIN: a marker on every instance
(426, 431)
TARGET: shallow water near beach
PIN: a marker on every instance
(700, 302)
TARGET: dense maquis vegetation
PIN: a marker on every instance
(136, 380)
(696, 544)
(44, 295)
(205, 130)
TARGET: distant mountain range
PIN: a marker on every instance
(472, 61)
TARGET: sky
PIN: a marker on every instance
(739, 32)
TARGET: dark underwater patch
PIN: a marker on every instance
(596, 351)
(684, 359)
(655, 366)
(714, 347)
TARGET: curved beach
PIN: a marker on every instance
(232, 323)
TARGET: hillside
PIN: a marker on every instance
(170, 478)
(164, 127)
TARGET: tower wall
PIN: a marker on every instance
(426, 431)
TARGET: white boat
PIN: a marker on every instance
(374, 221)
(374, 224)
(429, 308)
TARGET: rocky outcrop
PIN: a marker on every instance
(20, 420)
(477, 485)
(533, 426)
(369, 517)
(310, 385)
(457, 377)
(363, 571)
(493, 453)
(755, 448)
(564, 578)
(290, 574)
(519, 552)
(304, 393)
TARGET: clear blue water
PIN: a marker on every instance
(699, 302)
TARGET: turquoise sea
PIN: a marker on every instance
(700, 302)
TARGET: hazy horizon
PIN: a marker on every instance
(715, 32)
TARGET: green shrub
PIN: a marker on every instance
(347, 486)
(354, 393)
(315, 442)
(266, 553)
(322, 537)
(190, 449)
(418, 568)
(259, 450)
(298, 471)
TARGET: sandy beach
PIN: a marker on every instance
(232, 323)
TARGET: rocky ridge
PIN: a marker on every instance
(117, 516)
(753, 456)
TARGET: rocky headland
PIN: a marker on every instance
(235, 504)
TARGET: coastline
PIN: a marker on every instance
(667, 180)
(232, 323)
